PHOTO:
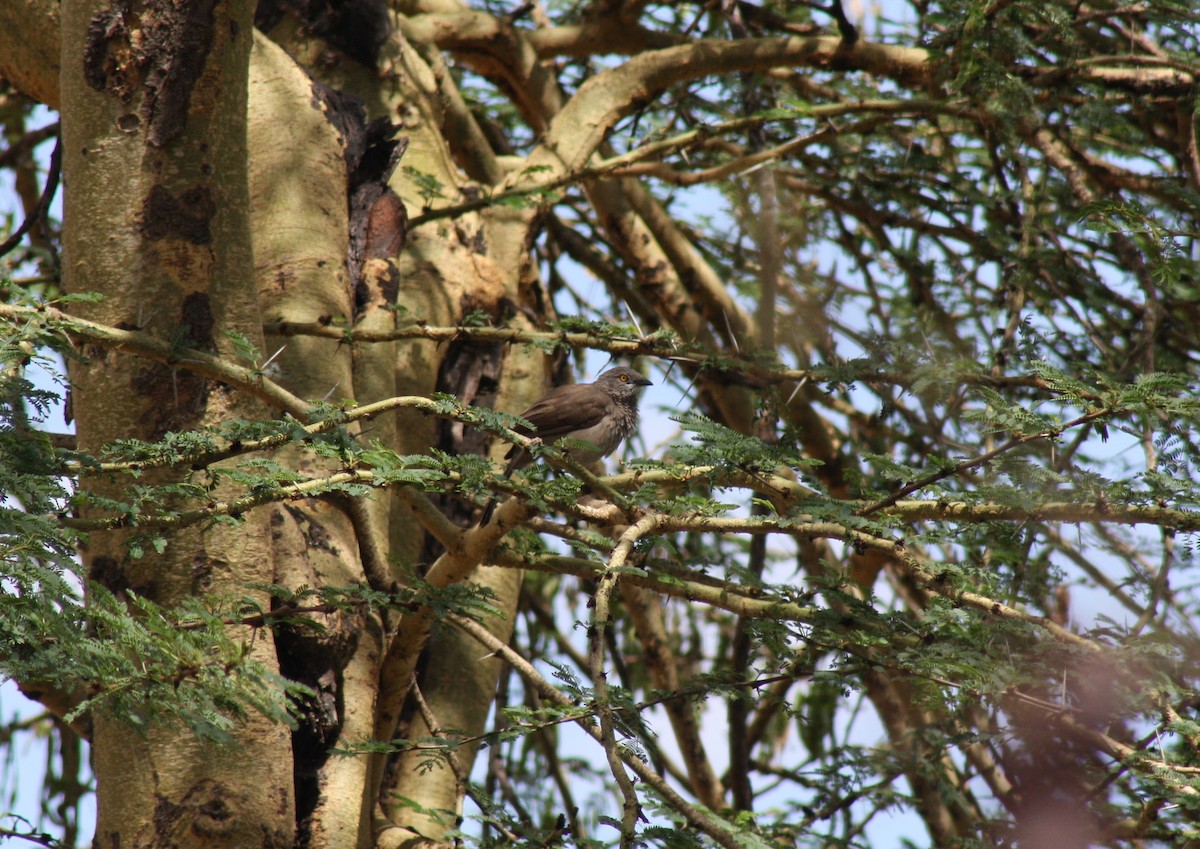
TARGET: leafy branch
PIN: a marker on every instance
(623, 164)
(984, 458)
(53, 322)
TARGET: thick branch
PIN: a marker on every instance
(582, 125)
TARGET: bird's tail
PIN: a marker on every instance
(514, 459)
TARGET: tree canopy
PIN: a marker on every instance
(905, 549)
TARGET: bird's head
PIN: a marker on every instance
(622, 382)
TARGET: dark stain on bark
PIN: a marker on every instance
(107, 572)
(177, 397)
(165, 60)
(347, 114)
(214, 816)
(98, 354)
(177, 39)
(378, 220)
(356, 27)
(187, 216)
(389, 285)
(470, 370)
(476, 242)
(109, 63)
(379, 285)
(315, 658)
(209, 810)
(197, 322)
(315, 534)
(202, 572)
(166, 815)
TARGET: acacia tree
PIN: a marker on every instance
(926, 287)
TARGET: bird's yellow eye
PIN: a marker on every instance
(624, 378)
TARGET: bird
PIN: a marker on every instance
(600, 415)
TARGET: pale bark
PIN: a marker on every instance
(156, 219)
(30, 52)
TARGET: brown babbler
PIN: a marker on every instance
(600, 415)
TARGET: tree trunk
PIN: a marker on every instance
(157, 217)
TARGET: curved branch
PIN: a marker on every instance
(31, 48)
(578, 130)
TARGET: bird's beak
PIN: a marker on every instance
(641, 381)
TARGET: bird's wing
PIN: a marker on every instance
(567, 409)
